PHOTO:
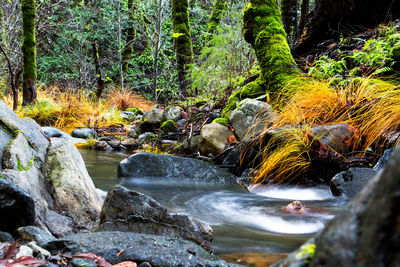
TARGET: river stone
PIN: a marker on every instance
(102, 146)
(213, 139)
(384, 159)
(157, 250)
(6, 237)
(167, 166)
(128, 115)
(251, 116)
(334, 136)
(130, 211)
(73, 190)
(84, 133)
(350, 182)
(33, 233)
(173, 113)
(52, 132)
(154, 117)
(16, 207)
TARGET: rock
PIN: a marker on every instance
(84, 133)
(52, 132)
(334, 136)
(24, 251)
(213, 139)
(128, 115)
(16, 207)
(40, 253)
(156, 250)
(144, 264)
(154, 117)
(168, 126)
(79, 262)
(130, 143)
(384, 159)
(167, 166)
(300, 257)
(173, 113)
(191, 146)
(181, 123)
(147, 136)
(350, 182)
(250, 116)
(130, 211)
(6, 237)
(34, 233)
(245, 178)
(102, 146)
(115, 144)
(133, 131)
(5, 137)
(73, 190)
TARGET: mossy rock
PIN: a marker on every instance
(222, 121)
(136, 110)
(168, 126)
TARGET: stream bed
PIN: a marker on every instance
(242, 221)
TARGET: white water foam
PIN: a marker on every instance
(293, 193)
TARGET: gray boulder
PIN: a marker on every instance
(16, 207)
(384, 159)
(213, 139)
(350, 182)
(250, 116)
(173, 113)
(130, 211)
(167, 166)
(334, 136)
(33, 233)
(84, 133)
(156, 250)
(154, 117)
(102, 146)
(52, 132)
(128, 115)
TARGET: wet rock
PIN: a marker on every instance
(16, 207)
(115, 144)
(350, 182)
(245, 178)
(128, 115)
(5, 138)
(173, 113)
(133, 131)
(130, 211)
(384, 159)
(251, 116)
(102, 146)
(154, 117)
(79, 262)
(130, 143)
(39, 252)
(144, 264)
(168, 126)
(6, 237)
(334, 136)
(24, 251)
(213, 139)
(73, 190)
(84, 133)
(167, 166)
(147, 136)
(192, 145)
(156, 250)
(52, 132)
(33, 233)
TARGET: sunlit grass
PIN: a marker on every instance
(67, 110)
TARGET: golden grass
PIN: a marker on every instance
(370, 106)
(67, 110)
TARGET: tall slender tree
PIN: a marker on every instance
(289, 17)
(28, 8)
(216, 15)
(183, 43)
(130, 36)
(305, 5)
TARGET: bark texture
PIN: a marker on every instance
(28, 8)
(130, 37)
(183, 43)
(289, 17)
(216, 15)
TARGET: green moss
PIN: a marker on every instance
(136, 110)
(168, 126)
(19, 165)
(307, 252)
(216, 15)
(221, 121)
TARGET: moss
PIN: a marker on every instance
(307, 252)
(28, 8)
(183, 42)
(19, 164)
(135, 110)
(2, 177)
(222, 121)
(168, 126)
(216, 15)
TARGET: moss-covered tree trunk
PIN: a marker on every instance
(289, 17)
(100, 81)
(183, 43)
(216, 15)
(305, 5)
(130, 37)
(28, 8)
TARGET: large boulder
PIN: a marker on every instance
(350, 182)
(154, 117)
(156, 250)
(213, 139)
(73, 190)
(334, 136)
(366, 232)
(167, 166)
(130, 211)
(250, 116)
(16, 207)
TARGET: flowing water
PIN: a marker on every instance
(242, 221)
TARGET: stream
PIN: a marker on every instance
(242, 221)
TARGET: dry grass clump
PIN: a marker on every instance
(127, 99)
(370, 106)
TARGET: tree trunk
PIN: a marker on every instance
(12, 79)
(130, 37)
(3, 75)
(28, 8)
(216, 15)
(305, 4)
(183, 43)
(100, 82)
(289, 18)
(332, 18)
(263, 29)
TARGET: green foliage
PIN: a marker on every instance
(2, 177)
(307, 252)
(325, 68)
(43, 112)
(221, 121)
(136, 110)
